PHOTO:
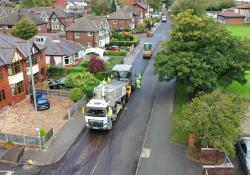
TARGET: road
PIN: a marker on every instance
(115, 152)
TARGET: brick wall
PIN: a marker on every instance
(120, 24)
(43, 28)
(4, 84)
(84, 38)
(235, 21)
(210, 155)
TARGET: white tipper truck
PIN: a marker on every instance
(109, 98)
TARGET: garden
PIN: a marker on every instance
(240, 30)
(147, 24)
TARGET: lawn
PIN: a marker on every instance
(241, 90)
(239, 30)
(113, 60)
(178, 134)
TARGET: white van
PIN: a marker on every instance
(164, 18)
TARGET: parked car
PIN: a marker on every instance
(164, 19)
(113, 48)
(41, 101)
(57, 84)
(243, 152)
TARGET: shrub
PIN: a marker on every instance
(75, 94)
(85, 64)
(140, 28)
(42, 132)
(116, 53)
(82, 80)
(55, 71)
(96, 65)
(122, 37)
(103, 75)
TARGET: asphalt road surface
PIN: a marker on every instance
(116, 152)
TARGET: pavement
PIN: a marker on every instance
(159, 154)
(58, 146)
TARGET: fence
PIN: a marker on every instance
(76, 107)
(26, 140)
(54, 92)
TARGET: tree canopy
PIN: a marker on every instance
(202, 54)
(198, 6)
(35, 3)
(156, 5)
(100, 7)
(113, 6)
(24, 29)
(215, 119)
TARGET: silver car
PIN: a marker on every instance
(243, 151)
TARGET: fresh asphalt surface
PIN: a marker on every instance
(117, 152)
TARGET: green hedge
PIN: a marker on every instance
(124, 43)
(55, 71)
(116, 53)
(122, 37)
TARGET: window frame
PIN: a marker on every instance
(77, 36)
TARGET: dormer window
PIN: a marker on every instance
(40, 39)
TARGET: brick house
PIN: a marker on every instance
(143, 8)
(89, 31)
(59, 51)
(231, 18)
(59, 3)
(57, 19)
(76, 7)
(9, 21)
(121, 19)
(243, 9)
(15, 70)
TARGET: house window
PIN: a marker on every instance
(90, 33)
(1, 75)
(45, 19)
(66, 60)
(54, 20)
(2, 95)
(14, 69)
(34, 61)
(77, 35)
(17, 88)
(55, 26)
(248, 19)
(76, 55)
(89, 44)
(114, 21)
(39, 28)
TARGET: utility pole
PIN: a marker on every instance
(37, 123)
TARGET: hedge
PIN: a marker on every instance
(116, 53)
(124, 43)
(122, 37)
(55, 71)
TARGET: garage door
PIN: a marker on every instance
(3, 100)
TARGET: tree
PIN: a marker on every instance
(198, 6)
(113, 6)
(215, 5)
(167, 3)
(202, 54)
(100, 7)
(75, 94)
(24, 29)
(83, 80)
(215, 119)
(156, 5)
(96, 65)
(36, 3)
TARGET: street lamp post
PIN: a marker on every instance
(37, 123)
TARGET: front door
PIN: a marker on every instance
(3, 99)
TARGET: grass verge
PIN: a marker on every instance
(178, 134)
(113, 60)
(240, 30)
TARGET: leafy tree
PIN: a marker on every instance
(100, 7)
(202, 54)
(156, 5)
(167, 3)
(75, 94)
(216, 119)
(96, 65)
(198, 6)
(24, 29)
(36, 3)
(215, 5)
(113, 6)
(83, 80)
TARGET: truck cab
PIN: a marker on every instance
(147, 50)
(109, 98)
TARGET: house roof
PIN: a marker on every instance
(128, 8)
(57, 46)
(49, 10)
(13, 18)
(8, 46)
(121, 14)
(142, 5)
(243, 6)
(230, 14)
(88, 23)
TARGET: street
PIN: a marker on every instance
(118, 152)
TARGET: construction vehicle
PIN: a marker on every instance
(147, 50)
(109, 99)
